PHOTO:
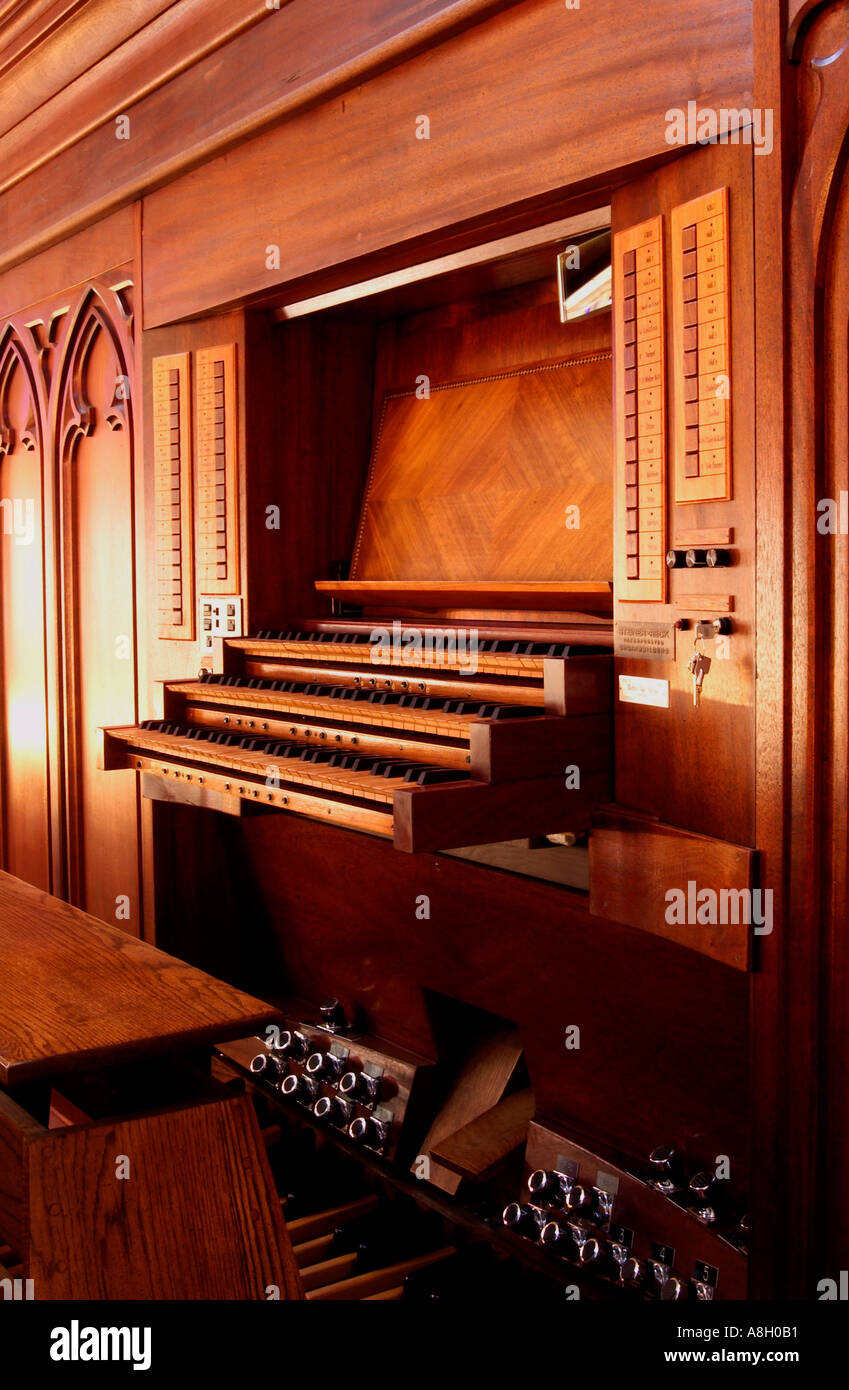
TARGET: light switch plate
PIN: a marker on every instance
(219, 616)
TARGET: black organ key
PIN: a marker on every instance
(316, 755)
(515, 712)
(430, 776)
(383, 697)
(421, 702)
(394, 768)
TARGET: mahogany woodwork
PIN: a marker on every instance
(24, 773)
(94, 440)
(807, 1010)
(88, 1224)
(695, 767)
(468, 949)
(581, 597)
(147, 1001)
(478, 1087)
(759, 765)
(201, 242)
(634, 865)
(170, 64)
(480, 1146)
(474, 479)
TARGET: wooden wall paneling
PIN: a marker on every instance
(474, 82)
(151, 90)
(93, 408)
(354, 934)
(100, 69)
(694, 767)
(810, 1009)
(307, 410)
(73, 39)
(69, 264)
(25, 791)
(772, 1260)
(834, 1152)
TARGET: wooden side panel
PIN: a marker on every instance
(95, 448)
(24, 781)
(197, 1218)
(694, 766)
(17, 1128)
(661, 879)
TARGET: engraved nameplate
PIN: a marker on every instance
(649, 641)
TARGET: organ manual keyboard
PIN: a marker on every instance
(466, 745)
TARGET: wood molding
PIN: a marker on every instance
(168, 39)
(95, 169)
(807, 1005)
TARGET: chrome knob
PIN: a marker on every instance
(291, 1043)
(368, 1130)
(335, 1110)
(332, 1016)
(269, 1067)
(702, 1187)
(359, 1086)
(524, 1219)
(300, 1088)
(667, 1170)
(587, 1248)
(324, 1065)
(557, 1238)
(548, 1186)
(632, 1271)
(672, 1289)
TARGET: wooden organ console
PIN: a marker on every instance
(422, 630)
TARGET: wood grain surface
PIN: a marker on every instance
(473, 482)
(75, 991)
(196, 1216)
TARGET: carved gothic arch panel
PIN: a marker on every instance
(14, 357)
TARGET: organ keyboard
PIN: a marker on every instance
(469, 745)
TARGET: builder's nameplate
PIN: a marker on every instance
(650, 641)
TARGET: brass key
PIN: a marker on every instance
(698, 666)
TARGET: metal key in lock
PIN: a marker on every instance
(698, 666)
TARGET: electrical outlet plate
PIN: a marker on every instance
(220, 616)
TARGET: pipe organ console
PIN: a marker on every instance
(423, 590)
